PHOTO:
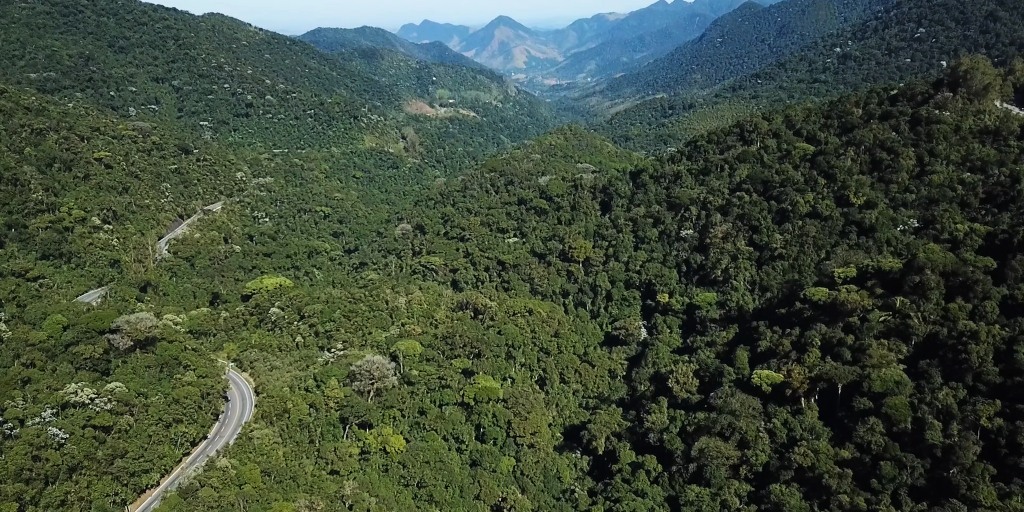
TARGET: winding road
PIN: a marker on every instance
(241, 397)
(239, 410)
(94, 297)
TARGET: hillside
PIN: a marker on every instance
(504, 44)
(642, 37)
(585, 32)
(335, 40)
(238, 84)
(744, 41)
(770, 319)
(84, 196)
(810, 303)
(902, 42)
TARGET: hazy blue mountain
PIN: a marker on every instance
(643, 36)
(429, 31)
(599, 46)
(506, 45)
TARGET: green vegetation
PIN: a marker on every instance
(337, 40)
(746, 322)
(238, 85)
(96, 408)
(815, 308)
(819, 50)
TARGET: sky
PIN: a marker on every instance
(297, 16)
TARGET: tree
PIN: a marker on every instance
(373, 373)
(766, 379)
(130, 330)
(483, 388)
(978, 79)
(406, 349)
(579, 250)
(266, 284)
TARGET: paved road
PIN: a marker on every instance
(94, 296)
(161, 246)
(1011, 108)
(239, 410)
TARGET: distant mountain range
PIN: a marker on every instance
(597, 47)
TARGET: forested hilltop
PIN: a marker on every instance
(815, 308)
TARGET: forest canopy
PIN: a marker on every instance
(811, 308)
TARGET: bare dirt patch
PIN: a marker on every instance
(421, 108)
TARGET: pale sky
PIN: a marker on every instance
(297, 16)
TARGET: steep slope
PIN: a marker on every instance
(605, 44)
(643, 36)
(742, 42)
(773, 273)
(333, 40)
(238, 84)
(83, 196)
(585, 32)
(774, 318)
(429, 31)
(908, 39)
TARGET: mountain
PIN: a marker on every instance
(507, 45)
(334, 40)
(585, 32)
(899, 42)
(813, 308)
(238, 84)
(595, 47)
(659, 334)
(747, 39)
(429, 31)
(643, 36)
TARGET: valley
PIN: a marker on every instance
(710, 255)
(589, 49)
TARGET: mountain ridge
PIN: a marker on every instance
(625, 39)
(428, 31)
(334, 40)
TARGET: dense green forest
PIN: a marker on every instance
(811, 308)
(240, 85)
(338, 40)
(816, 52)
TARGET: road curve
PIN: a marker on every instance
(237, 412)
